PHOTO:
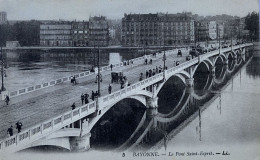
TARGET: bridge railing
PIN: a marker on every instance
(78, 75)
(49, 126)
(48, 84)
(182, 66)
(111, 98)
(149, 81)
(215, 52)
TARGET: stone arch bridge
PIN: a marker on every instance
(72, 130)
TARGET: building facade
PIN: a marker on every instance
(3, 17)
(56, 33)
(98, 31)
(212, 30)
(80, 34)
(220, 32)
(157, 29)
(202, 31)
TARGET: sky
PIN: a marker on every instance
(115, 9)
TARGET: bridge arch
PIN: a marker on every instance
(178, 107)
(61, 142)
(221, 57)
(182, 75)
(232, 54)
(238, 52)
(140, 96)
(232, 67)
(222, 76)
(207, 63)
(171, 118)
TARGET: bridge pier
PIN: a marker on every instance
(190, 82)
(213, 71)
(152, 102)
(81, 143)
(226, 61)
(190, 90)
(235, 57)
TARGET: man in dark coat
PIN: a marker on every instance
(73, 106)
(7, 99)
(86, 98)
(92, 95)
(82, 98)
(147, 74)
(19, 126)
(109, 89)
(10, 131)
(96, 95)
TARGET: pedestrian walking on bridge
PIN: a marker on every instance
(10, 131)
(111, 66)
(82, 98)
(86, 98)
(145, 61)
(19, 126)
(7, 99)
(147, 74)
(141, 77)
(109, 89)
(92, 95)
(96, 95)
(73, 106)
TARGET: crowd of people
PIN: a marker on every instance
(151, 72)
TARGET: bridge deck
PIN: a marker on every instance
(35, 107)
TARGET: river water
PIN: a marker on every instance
(229, 123)
(33, 67)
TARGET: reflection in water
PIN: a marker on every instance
(116, 125)
(219, 104)
(169, 98)
(201, 77)
(252, 69)
(188, 112)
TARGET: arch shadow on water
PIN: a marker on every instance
(117, 125)
(165, 124)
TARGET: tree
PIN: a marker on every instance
(27, 32)
(252, 24)
(6, 33)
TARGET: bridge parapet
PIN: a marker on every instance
(16, 142)
(130, 90)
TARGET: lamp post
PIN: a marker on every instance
(231, 37)
(3, 71)
(99, 72)
(164, 56)
(218, 34)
